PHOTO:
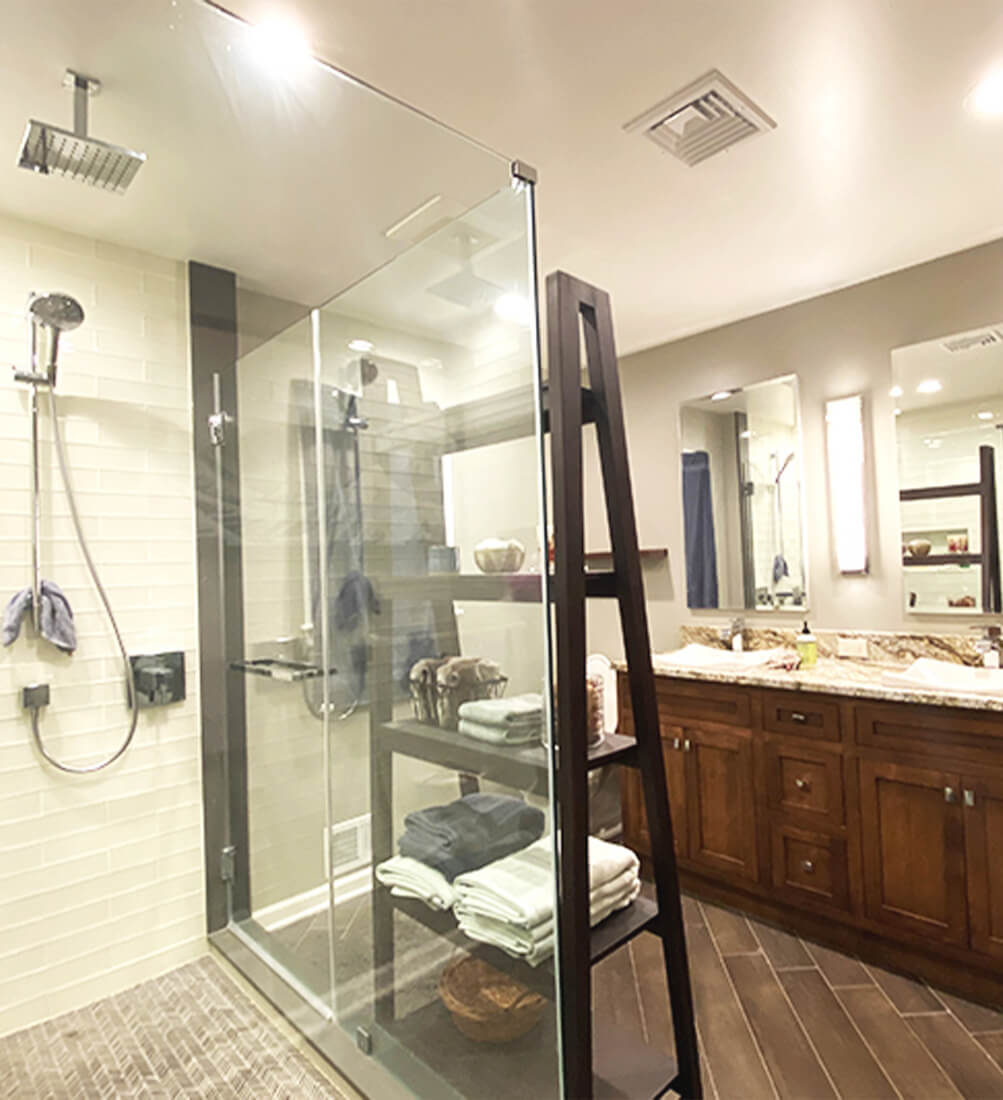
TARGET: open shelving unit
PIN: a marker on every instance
(600, 1062)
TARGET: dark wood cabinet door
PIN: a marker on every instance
(635, 821)
(719, 795)
(982, 800)
(913, 848)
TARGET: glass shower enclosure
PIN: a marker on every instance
(372, 552)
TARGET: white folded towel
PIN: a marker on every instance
(520, 887)
(519, 710)
(534, 945)
(501, 735)
(409, 878)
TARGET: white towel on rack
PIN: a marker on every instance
(408, 878)
(520, 887)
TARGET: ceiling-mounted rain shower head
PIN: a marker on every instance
(52, 151)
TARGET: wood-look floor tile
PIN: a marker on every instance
(782, 949)
(728, 1043)
(839, 970)
(794, 1066)
(977, 1018)
(649, 971)
(975, 1075)
(851, 1065)
(905, 1060)
(906, 994)
(691, 910)
(992, 1043)
(730, 930)
(615, 994)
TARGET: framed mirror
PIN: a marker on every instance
(948, 397)
(742, 506)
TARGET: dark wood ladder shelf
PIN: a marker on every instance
(600, 1063)
(989, 558)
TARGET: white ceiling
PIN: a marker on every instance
(964, 376)
(874, 165)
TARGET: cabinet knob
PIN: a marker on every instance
(969, 798)
(950, 794)
(676, 743)
(687, 745)
(797, 716)
(807, 866)
(802, 784)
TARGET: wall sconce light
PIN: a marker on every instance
(844, 430)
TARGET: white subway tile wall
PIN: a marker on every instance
(100, 876)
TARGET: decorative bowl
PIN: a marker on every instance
(499, 555)
(918, 548)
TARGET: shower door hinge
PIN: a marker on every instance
(217, 427)
(227, 863)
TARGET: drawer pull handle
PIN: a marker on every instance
(807, 866)
(802, 784)
(797, 716)
(950, 795)
(969, 798)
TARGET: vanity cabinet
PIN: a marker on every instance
(875, 826)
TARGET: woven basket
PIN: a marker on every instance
(487, 1005)
(451, 698)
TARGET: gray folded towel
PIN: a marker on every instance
(55, 624)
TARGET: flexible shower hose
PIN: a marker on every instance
(92, 570)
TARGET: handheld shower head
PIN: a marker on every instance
(50, 315)
(58, 311)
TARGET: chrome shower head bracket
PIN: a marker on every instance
(83, 87)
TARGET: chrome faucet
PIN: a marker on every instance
(728, 634)
(989, 645)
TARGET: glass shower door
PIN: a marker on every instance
(430, 497)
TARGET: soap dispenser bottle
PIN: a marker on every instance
(807, 647)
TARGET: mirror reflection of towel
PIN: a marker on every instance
(55, 619)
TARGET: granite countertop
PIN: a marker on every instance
(834, 676)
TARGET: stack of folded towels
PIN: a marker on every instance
(510, 903)
(503, 721)
(441, 842)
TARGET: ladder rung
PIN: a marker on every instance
(589, 407)
(601, 585)
(622, 927)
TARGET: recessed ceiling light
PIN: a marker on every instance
(721, 395)
(985, 414)
(895, 391)
(514, 308)
(985, 100)
(929, 385)
(280, 44)
(360, 345)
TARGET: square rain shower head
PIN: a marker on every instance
(51, 151)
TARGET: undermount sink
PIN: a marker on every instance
(925, 672)
(705, 656)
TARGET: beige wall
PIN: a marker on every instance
(100, 876)
(837, 344)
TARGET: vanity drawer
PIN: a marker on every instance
(933, 730)
(810, 867)
(681, 701)
(801, 715)
(805, 783)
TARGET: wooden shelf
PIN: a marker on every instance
(484, 587)
(616, 930)
(657, 553)
(519, 766)
(942, 559)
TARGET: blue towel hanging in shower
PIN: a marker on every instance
(698, 531)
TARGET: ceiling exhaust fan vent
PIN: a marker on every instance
(983, 339)
(704, 118)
